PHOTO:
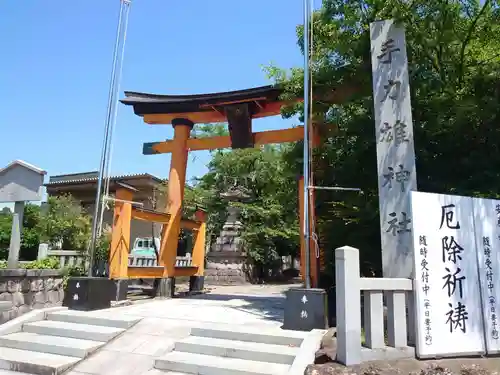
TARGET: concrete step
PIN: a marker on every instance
(34, 362)
(93, 318)
(73, 330)
(263, 335)
(50, 344)
(283, 354)
(201, 364)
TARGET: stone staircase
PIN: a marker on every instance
(236, 350)
(51, 346)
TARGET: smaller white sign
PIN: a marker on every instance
(448, 305)
(77, 284)
(487, 223)
(304, 299)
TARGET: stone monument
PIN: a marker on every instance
(226, 261)
(20, 182)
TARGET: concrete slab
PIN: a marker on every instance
(16, 324)
(265, 335)
(34, 362)
(107, 317)
(307, 352)
(251, 351)
(107, 362)
(209, 365)
(74, 330)
(155, 371)
(50, 344)
(8, 372)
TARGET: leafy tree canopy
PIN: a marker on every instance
(453, 48)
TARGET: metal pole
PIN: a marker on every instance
(114, 102)
(105, 146)
(307, 10)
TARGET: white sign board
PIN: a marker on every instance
(395, 147)
(20, 181)
(448, 304)
(487, 224)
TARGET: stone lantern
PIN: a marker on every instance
(226, 259)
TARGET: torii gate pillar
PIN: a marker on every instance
(176, 184)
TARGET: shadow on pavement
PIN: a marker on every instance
(267, 307)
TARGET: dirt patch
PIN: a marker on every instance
(462, 366)
(325, 364)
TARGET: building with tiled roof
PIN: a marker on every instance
(83, 187)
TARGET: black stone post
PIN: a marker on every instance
(89, 293)
(306, 309)
(196, 284)
(121, 289)
(165, 287)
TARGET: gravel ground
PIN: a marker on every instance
(463, 366)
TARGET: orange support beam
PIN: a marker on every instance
(212, 143)
(301, 230)
(150, 216)
(313, 260)
(199, 243)
(163, 218)
(190, 224)
(185, 271)
(120, 239)
(145, 272)
(176, 183)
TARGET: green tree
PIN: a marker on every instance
(65, 220)
(5, 229)
(30, 236)
(270, 217)
(454, 65)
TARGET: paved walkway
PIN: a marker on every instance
(165, 321)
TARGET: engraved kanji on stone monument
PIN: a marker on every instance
(395, 145)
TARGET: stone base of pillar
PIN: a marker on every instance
(121, 289)
(89, 293)
(305, 309)
(226, 268)
(196, 283)
(165, 288)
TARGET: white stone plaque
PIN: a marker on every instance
(449, 317)
(487, 223)
(395, 145)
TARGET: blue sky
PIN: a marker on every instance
(56, 63)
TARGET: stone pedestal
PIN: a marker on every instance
(225, 268)
(305, 309)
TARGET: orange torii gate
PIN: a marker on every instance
(238, 108)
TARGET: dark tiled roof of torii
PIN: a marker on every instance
(153, 104)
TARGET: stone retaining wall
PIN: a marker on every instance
(23, 290)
